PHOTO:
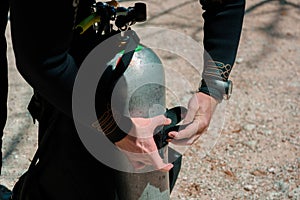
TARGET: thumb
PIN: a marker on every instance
(160, 120)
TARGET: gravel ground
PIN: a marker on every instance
(257, 154)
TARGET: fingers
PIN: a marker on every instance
(145, 127)
(138, 165)
(141, 160)
(151, 123)
(197, 127)
(160, 120)
(152, 157)
(187, 141)
(142, 153)
(189, 134)
(198, 117)
(158, 162)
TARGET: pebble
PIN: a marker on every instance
(251, 144)
(249, 127)
(248, 187)
(239, 60)
(294, 84)
(258, 173)
(274, 195)
(271, 170)
(295, 193)
(282, 186)
(267, 132)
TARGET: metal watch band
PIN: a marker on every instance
(216, 88)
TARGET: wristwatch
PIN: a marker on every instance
(217, 88)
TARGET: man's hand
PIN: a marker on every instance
(200, 110)
(139, 145)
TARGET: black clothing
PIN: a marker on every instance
(41, 49)
(222, 29)
(65, 170)
(223, 21)
(3, 71)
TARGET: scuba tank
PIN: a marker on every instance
(133, 84)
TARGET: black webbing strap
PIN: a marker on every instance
(122, 65)
(107, 84)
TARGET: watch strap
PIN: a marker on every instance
(216, 88)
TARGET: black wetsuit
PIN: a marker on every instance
(3, 71)
(66, 170)
(43, 58)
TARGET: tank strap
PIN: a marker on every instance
(106, 122)
(122, 65)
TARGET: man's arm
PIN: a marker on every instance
(223, 21)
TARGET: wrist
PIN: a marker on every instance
(217, 89)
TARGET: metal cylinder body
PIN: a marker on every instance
(141, 93)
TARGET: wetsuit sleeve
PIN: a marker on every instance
(42, 38)
(223, 21)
